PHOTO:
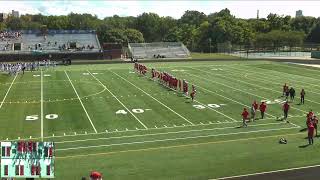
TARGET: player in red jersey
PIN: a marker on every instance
(255, 105)
(193, 93)
(285, 108)
(185, 87)
(95, 175)
(284, 90)
(245, 116)
(262, 108)
(310, 133)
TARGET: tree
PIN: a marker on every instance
(133, 36)
(193, 18)
(148, 25)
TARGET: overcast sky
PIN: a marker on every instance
(175, 9)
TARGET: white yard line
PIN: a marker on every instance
(267, 172)
(154, 99)
(41, 111)
(94, 128)
(171, 139)
(5, 96)
(163, 133)
(118, 100)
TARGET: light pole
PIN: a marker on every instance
(210, 44)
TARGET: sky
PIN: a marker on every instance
(241, 9)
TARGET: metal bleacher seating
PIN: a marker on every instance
(164, 49)
(54, 39)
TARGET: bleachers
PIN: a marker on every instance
(30, 38)
(165, 49)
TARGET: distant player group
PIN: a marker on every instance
(16, 68)
(312, 120)
(167, 80)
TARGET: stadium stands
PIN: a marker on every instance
(55, 41)
(158, 49)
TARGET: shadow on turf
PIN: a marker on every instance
(304, 146)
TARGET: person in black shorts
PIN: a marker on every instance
(292, 93)
(302, 94)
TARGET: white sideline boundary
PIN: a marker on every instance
(94, 128)
(136, 130)
(5, 96)
(267, 172)
(118, 100)
(154, 98)
(163, 133)
(170, 139)
(41, 111)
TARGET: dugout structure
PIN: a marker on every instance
(158, 50)
(112, 50)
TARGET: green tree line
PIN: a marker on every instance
(198, 31)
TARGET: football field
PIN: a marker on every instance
(110, 119)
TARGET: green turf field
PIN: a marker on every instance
(110, 119)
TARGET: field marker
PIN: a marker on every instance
(127, 129)
(85, 132)
(52, 135)
(183, 125)
(171, 139)
(5, 96)
(18, 137)
(267, 172)
(201, 123)
(30, 137)
(175, 146)
(156, 127)
(163, 133)
(80, 102)
(64, 134)
(119, 101)
(106, 131)
(7, 139)
(116, 130)
(75, 133)
(153, 98)
(166, 128)
(174, 125)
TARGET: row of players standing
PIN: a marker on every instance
(16, 68)
(167, 80)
